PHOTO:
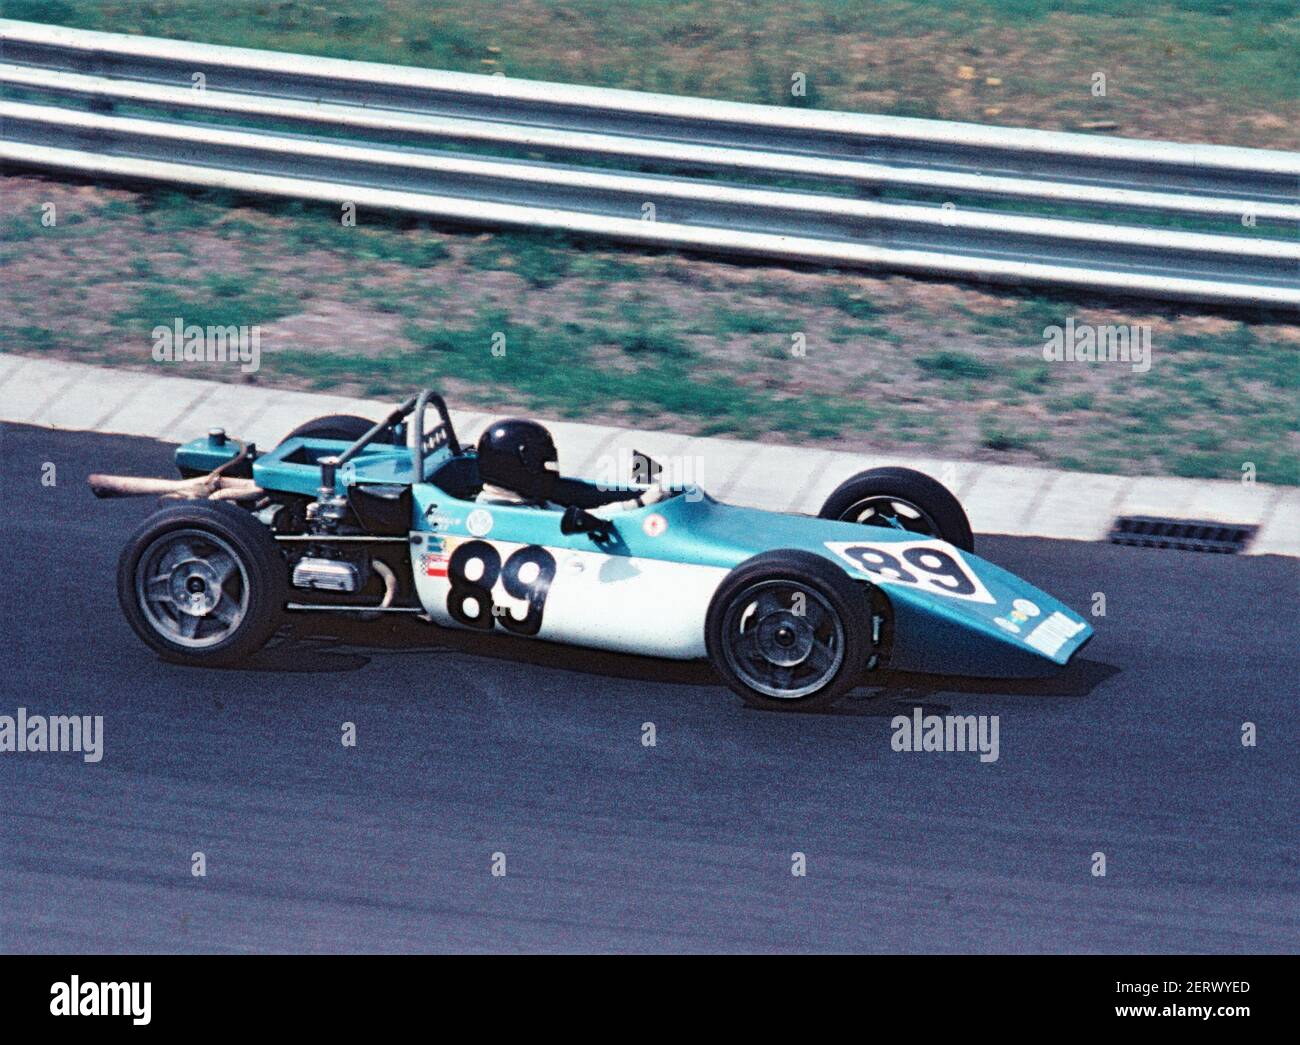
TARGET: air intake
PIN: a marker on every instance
(1189, 535)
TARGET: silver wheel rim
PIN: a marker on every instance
(192, 588)
(896, 513)
(775, 649)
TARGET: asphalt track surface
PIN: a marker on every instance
(469, 747)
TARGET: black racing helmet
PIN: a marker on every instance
(519, 456)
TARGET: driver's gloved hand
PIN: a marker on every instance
(579, 520)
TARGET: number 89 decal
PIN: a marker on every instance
(475, 568)
(923, 564)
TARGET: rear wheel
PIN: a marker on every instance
(346, 428)
(901, 499)
(789, 630)
(202, 584)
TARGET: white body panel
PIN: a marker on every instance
(613, 602)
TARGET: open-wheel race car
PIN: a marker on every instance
(346, 515)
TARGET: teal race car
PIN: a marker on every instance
(350, 516)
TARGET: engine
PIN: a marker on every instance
(318, 574)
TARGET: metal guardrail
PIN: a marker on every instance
(395, 106)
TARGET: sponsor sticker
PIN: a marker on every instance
(1053, 633)
(654, 525)
(479, 522)
(434, 564)
(440, 520)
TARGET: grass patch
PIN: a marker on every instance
(996, 435)
(952, 365)
(852, 303)
(416, 248)
(227, 302)
(541, 259)
(730, 322)
(1079, 401)
(651, 339)
(1031, 377)
(550, 366)
(30, 338)
(167, 211)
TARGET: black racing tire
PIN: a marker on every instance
(833, 634)
(866, 496)
(344, 427)
(219, 558)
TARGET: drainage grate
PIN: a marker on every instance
(1191, 535)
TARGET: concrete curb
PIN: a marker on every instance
(1004, 499)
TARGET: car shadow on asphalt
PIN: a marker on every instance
(902, 689)
(324, 644)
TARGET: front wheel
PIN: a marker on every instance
(202, 584)
(901, 499)
(789, 630)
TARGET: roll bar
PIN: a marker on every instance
(417, 447)
(418, 404)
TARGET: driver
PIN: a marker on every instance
(518, 464)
